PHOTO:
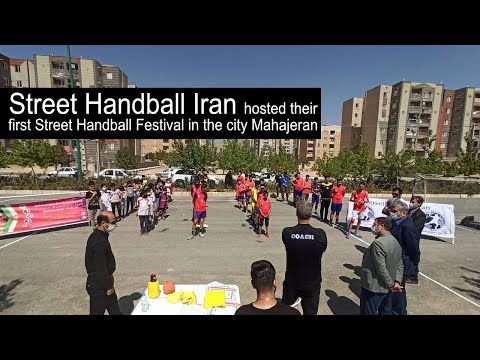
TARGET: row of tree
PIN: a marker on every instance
(31, 153)
(404, 163)
(235, 156)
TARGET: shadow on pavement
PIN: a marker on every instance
(353, 283)
(360, 248)
(474, 294)
(126, 303)
(470, 270)
(6, 294)
(341, 305)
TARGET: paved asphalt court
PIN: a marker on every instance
(44, 273)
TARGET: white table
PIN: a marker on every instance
(160, 305)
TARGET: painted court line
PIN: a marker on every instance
(13, 242)
(436, 282)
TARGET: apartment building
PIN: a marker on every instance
(329, 143)
(22, 73)
(289, 146)
(444, 122)
(306, 150)
(351, 123)
(465, 120)
(375, 115)
(414, 112)
(154, 145)
(5, 78)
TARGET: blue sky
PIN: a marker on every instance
(341, 71)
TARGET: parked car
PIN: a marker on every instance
(268, 178)
(113, 174)
(64, 172)
(180, 177)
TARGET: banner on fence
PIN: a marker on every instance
(440, 217)
(40, 215)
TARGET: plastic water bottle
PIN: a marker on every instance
(145, 304)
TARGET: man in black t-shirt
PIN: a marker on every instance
(326, 190)
(263, 280)
(305, 246)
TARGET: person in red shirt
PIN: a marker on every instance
(200, 212)
(359, 198)
(196, 189)
(298, 185)
(338, 193)
(240, 194)
(249, 185)
(307, 188)
(264, 207)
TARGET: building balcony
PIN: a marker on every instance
(410, 134)
(476, 100)
(476, 114)
(421, 96)
(414, 109)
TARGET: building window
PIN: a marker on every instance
(58, 82)
(4, 64)
(165, 147)
(446, 122)
(356, 115)
(56, 65)
(448, 111)
(6, 82)
(19, 83)
(357, 105)
(385, 94)
(112, 146)
(110, 76)
(449, 99)
(445, 133)
(395, 93)
(324, 145)
(442, 146)
(332, 146)
(17, 68)
(332, 132)
(394, 106)
(354, 125)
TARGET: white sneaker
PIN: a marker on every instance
(201, 235)
(205, 225)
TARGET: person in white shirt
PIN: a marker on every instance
(168, 186)
(144, 206)
(105, 196)
(116, 200)
(397, 193)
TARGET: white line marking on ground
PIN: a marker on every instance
(40, 195)
(13, 242)
(466, 229)
(436, 282)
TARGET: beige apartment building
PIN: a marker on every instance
(465, 120)
(306, 150)
(329, 144)
(351, 123)
(414, 112)
(376, 112)
(154, 145)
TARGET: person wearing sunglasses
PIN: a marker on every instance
(100, 265)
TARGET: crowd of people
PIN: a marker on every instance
(390, 262)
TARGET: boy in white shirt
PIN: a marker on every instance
(144, 206)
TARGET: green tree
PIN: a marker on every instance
(363, 164)
(395, 165)
(192, 155)
(4, 158)
(31, 153)
(237, 156)
(281, 162)
(468, 162)
(432, 162)
(127, 159)
(451, 169)
(58, 155)
(328, 166)
(346, 159)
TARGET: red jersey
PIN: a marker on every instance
(240, 189)
(249, 185)
(299, 184)
(337, 194)
(359, 200)
(307, 187)
(265, 207)
(200, 202)
(241, 178)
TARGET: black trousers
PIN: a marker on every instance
(129, 208)
(118, 206)
(100, 301)
(310, 297)
(144, 222)
(324, 205)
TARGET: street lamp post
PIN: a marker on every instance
(79, 159)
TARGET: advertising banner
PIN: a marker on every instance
(440, 217)
(40, 215)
